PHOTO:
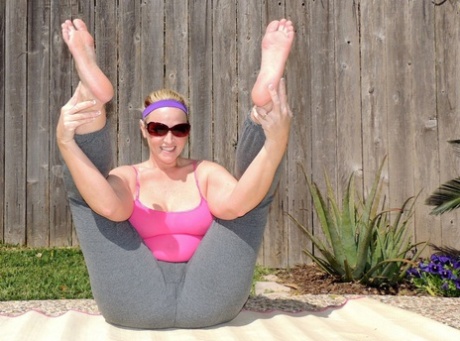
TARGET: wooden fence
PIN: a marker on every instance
(366, 79)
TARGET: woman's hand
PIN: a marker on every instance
(75, 113)
(276, 123)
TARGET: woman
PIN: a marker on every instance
(171, 242)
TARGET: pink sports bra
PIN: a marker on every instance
(171, 236)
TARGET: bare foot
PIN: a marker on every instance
(276, 45)
(95, 85)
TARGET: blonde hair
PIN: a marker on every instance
(162, 94)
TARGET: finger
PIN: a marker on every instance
(76, 120)
(74, 99)
(282, 91)
(84, 116)
(257, 117)
(283, 98)
(76, 123)
(80, 106)
(261, 111)
(274, 96)
(72, 125)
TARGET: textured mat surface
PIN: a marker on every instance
(358, 319)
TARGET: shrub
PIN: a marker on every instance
(361, 243)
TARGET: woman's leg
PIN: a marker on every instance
(128, 284)
(219, 275)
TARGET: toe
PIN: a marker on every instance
(273, 26)
(80, 25)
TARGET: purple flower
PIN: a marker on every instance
(445, 260)
(434, 268)
(445, 286)
(435, 259)
(457, 283)
(413, 272)
(456, 264)
(424, 267)
(446, 274)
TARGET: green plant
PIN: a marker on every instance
(439, 275)
(361, 243)
(260, 272)
(447, 196)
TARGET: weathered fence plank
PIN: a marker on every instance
(201, 80)
(86, 11)
(348, 96)
(129, 83)
(422, 104)
(400, 118)
(38, 129)
(276, 234)
(373, 94)
(176, 49)
(448, 97)
(15, 121)
(249, 30)
(152, 53)
(225, 131)
(176, 46)
(298, 74)
(102, 18)
(2, 116)
(323, 93)
(60, 223)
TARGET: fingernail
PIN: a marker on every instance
(94, 101)
(270, 86)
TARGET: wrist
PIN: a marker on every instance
(64, 142)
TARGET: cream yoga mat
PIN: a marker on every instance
(357, 319)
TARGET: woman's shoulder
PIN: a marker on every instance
(206, 165)
(128, 170)
(128, 173)
(208, 170)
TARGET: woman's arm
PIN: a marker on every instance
(229, 198)
(110, 197)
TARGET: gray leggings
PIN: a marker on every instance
(133, 289)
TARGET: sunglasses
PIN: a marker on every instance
(160, 129)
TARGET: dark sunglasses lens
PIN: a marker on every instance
(157, 129)
(181, 130)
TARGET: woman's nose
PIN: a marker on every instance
(169, 137)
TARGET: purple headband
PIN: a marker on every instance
(164, 103)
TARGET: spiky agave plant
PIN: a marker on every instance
(361, 243)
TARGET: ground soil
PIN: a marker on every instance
(310, 279)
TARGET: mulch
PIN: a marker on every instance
(310, 279)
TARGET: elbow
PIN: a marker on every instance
(114, 213)
(231, 213)
(106, 212)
